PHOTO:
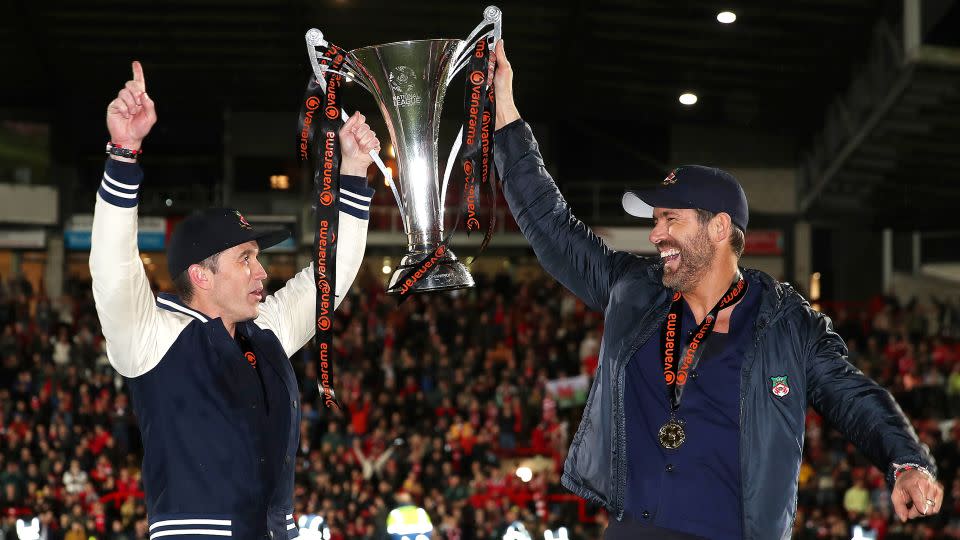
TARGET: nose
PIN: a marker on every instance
(658, 233)
(259, 272)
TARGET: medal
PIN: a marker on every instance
(679, 361)
(671, 434)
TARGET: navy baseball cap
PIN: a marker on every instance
(692, 186)
(211, 231)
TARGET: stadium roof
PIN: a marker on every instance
(875, 122)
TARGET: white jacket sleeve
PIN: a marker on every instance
(137, 334)
(291, 312)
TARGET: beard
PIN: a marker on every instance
(696, 257)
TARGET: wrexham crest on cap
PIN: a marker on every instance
(671, 178)
(778, 385)
(243, 221)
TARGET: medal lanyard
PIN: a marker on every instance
(676, 368)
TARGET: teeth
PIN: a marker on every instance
(669, 253)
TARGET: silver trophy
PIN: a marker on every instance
(409, 80)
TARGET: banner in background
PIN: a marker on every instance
(764, 242)
(23, 239)
(151, 233)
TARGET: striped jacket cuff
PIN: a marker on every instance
(355, 196)
(187, 527)
(121, 183)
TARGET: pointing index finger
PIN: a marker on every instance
(138, 74)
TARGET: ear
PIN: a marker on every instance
(200, 277)
(721, 227)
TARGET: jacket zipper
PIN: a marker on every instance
(762, 323)
(621, 421)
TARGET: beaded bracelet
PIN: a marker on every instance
(898, 469)
(114, 149)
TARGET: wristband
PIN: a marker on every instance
(114, 149)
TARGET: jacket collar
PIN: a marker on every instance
(172, 302)
(778, 298)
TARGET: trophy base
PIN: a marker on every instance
(449, 274)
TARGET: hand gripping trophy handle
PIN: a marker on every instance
(408, 80)
(315, 39)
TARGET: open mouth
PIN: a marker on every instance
(670, 258)
(258, 294)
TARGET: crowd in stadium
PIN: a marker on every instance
(442, 397)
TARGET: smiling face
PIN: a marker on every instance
(237, 285)
(684, 246)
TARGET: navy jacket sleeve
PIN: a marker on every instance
(565, 246)
(865, 413)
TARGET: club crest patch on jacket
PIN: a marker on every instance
(779, 387)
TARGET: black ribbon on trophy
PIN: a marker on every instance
(486, 120)
(408, 80)
(320, 113)
(476, 158)
(677, 368)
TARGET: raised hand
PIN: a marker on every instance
(131, 115)
(356, 142)
(502, 74)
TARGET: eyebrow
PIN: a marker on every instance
(666, 213)
(248, 251)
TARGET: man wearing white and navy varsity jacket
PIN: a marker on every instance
(209, 371)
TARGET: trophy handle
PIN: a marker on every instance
(491, 15)
(314, 38)
(350, 73)
(454, 150)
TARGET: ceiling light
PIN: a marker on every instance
(726, 17)
(688, 98)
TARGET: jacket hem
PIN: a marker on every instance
(584, 493)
